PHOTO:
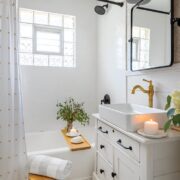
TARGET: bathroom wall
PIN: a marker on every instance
(117, 80)
(91, 79)
(111, 54)
(43, 86)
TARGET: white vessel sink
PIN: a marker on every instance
(131, 117)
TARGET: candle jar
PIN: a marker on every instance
(151, 127)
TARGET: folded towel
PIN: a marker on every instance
(49, 166)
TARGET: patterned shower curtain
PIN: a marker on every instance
(13, 164)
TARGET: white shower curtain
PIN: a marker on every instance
(13, 164)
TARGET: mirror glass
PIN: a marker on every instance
(151, 35)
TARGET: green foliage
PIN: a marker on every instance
(176, 119)
(170, 113)
(71, 111)
(167, 125)
(173, 118)
(168, 104)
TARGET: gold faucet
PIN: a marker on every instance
(150, 91)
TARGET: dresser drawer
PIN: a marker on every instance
(105, 130)
(104, 169)
(127, 145)
(121, 141)
(105, 148)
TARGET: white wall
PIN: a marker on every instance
(43, 86)
(112, 53)
(118, 81)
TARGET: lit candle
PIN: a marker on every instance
(151, 127)
(73, 130)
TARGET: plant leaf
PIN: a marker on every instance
(176, 119)
(71, 111)
(171, 112)
(168, 104)
(167, 125)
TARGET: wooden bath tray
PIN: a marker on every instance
(37, 177)
(75, 147)
(176, 128)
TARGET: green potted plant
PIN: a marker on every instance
(71, 111)
(173, 113)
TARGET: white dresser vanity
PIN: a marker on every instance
(122, 155)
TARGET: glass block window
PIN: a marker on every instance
(46, 39)
(141, 46)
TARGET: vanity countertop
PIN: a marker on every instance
(172, 134)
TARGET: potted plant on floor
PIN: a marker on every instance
(71, 111)
(173, 113)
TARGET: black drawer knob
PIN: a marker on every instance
(102, 146)
(113, 174)
(101, 171)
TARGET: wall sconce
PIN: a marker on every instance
(176, 20)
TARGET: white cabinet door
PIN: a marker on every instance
(124, 167)
(104, 169)
(105, 148)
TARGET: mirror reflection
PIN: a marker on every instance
(151, 35)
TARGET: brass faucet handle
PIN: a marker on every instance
(149, 81)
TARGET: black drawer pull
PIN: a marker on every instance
(120, 143)
(101, 171)
(105, 132)
(102, 146)
(113, 174)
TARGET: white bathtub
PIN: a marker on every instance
(53, 144)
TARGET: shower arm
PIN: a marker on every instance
(112, 2)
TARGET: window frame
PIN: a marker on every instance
(44, 28)
(137, 40)
(65, 63)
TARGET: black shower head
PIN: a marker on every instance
(101, 10)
